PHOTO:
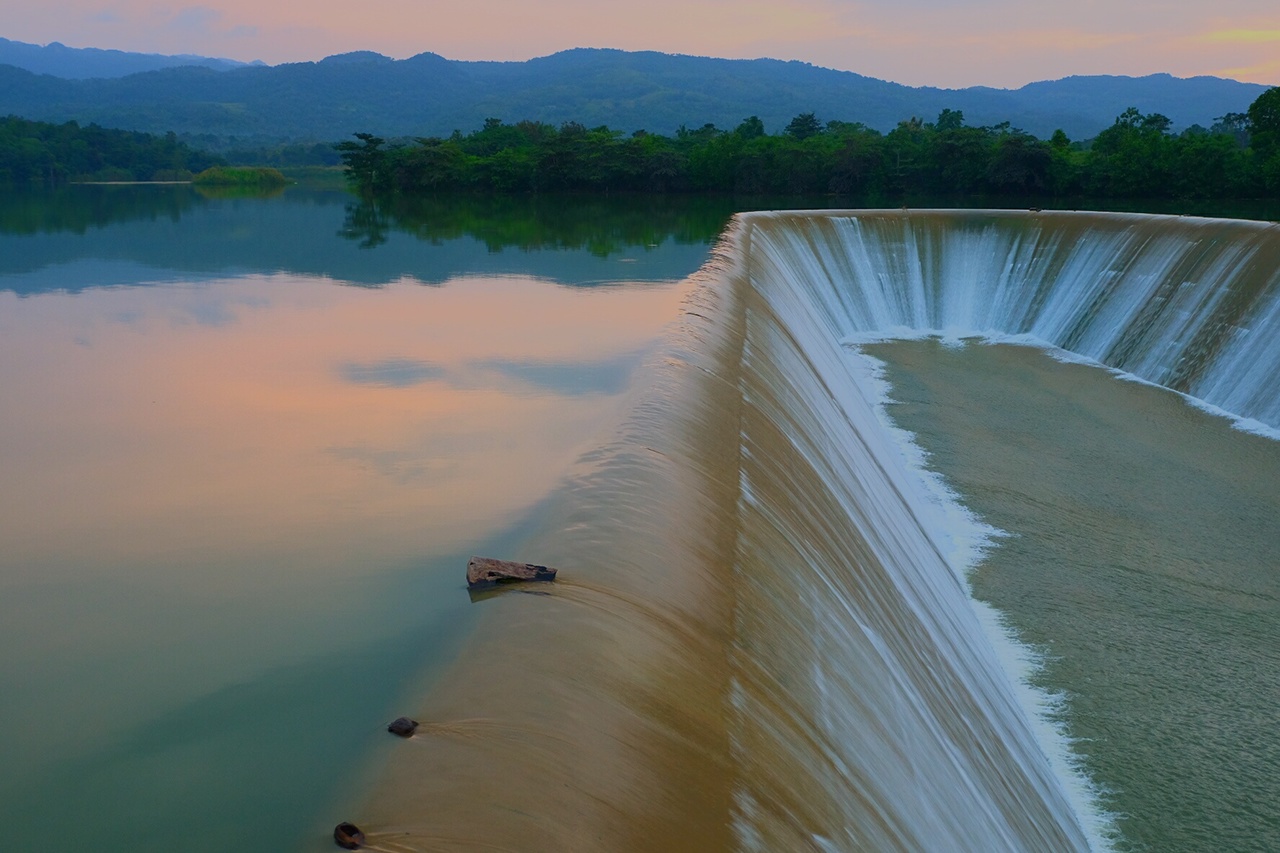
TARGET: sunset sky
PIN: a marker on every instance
(949, 43)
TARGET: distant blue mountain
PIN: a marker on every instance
(76, 63)
(428, 95)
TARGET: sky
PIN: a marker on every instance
(946, 43)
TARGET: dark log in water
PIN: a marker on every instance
(486, 571)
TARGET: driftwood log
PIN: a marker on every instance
(485, 571)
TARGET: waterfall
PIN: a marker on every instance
(762, 639)
(1188, 303)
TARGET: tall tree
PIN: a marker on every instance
(803, 126)
(365, 161)
(950, 120)
(1264, 137)
(1264, 117)
(751, 128)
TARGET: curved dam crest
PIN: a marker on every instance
(761, 638)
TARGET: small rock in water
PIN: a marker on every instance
(403, 726)
(484, 571)
(348, 836)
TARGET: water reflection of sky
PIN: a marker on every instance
(208, 483)
(228, 399)
(608, 376)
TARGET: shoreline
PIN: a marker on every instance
(127, 183)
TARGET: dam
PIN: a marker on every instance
(876, 530)
(762, 638)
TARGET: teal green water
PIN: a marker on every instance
(1141, 561)
(245, 458)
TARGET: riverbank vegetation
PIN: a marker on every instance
(1137, 157)
(40, 153)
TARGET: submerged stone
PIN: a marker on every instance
(485, 571)
(348, 836)
(403, 726)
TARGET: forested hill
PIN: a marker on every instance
(428, 95)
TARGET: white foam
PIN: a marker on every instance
(964, 540)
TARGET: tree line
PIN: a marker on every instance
(33, 152)
(1137, 157)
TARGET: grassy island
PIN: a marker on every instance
(240, 176)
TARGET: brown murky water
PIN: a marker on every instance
(593, 713)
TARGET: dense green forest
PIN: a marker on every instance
(1137, 157)
(33, 152)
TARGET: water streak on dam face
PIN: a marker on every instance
(761, 639)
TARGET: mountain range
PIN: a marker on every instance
(82, 63)
(219, 102)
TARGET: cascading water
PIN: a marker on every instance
(1191, 304)
(762, 639)
(910, 729)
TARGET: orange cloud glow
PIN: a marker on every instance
(1244, 36)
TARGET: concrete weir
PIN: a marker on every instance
(763, 640)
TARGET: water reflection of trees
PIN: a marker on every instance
(604, 225)
(80, 208)
(600, 225)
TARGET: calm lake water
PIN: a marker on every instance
(248, 445)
